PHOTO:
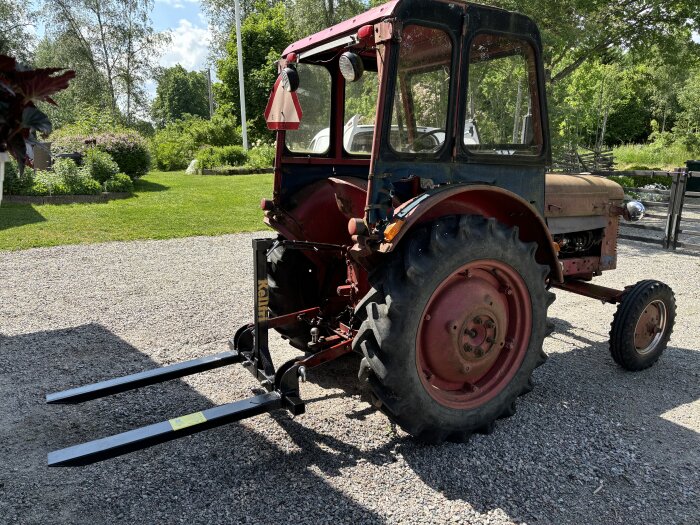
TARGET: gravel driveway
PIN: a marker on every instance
(591, 443)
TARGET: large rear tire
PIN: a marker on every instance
(292, 282)
(457, 328)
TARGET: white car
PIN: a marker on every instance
(357, 138)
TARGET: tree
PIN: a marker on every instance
(15, 39)
(179, 92)
(87, 90)
(576, 31)
(264, 34)
(116, 38)
(221, 17)
(311, 16)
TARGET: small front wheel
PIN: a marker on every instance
(642, 325)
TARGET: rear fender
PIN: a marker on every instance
(504, 206)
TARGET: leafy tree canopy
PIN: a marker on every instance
(179, 92)
(264, 34)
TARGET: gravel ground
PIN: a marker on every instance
(591, 443)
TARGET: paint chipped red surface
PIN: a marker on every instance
(348, 26)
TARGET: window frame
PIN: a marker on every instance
(540, 97)
(331, 113)
(354, 154)
(449, 116)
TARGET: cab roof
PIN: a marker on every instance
(351, 25)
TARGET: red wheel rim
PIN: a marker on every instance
(474, 334)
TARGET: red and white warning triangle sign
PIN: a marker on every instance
(283, 110)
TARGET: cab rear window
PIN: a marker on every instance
(313, 135)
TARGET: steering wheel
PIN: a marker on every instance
(427, 146)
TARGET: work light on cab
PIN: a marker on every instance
(351, 66)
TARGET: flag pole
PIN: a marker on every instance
(241, 88)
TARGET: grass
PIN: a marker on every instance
(164, 206)
(650, 157)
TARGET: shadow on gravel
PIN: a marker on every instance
(591, 444)
(231, 474)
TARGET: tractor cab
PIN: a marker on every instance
(408, 97)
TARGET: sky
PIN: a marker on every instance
(190, 34)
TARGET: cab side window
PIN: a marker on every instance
(503, 110)
(421, 97)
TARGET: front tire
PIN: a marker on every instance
(458, 329)
(642, 325)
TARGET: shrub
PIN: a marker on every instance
(48, 183)
(172, 149)
(127, 148)
(16, 184)
(82, 184)
(175, 145)
(261, 156)
(121, 182)
(98, 165)
(210, 157)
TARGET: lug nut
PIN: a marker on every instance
(489, 324)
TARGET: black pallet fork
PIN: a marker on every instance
(249, 347)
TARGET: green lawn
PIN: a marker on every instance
(165, 205)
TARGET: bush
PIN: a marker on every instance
(14, 184)
(261, 156)
(83, 185)
(121, 182)
(48, 183)
(65, 179)
(210, 157)
(175, 145)
(98, 165)
(172, 149)
(127, 148)
(640, 182)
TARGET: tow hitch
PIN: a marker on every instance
(249, 347)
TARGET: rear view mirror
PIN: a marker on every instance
(290, 79)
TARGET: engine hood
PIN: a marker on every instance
(569, 195)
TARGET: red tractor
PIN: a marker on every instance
(418, 227)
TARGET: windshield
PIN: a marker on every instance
(315, 100)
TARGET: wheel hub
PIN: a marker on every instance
(650, 327)
(474, 333)
(479, 335)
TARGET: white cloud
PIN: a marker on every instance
(696, 37)
(189, 46)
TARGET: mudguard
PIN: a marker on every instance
(488, 201)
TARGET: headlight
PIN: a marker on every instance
(634, 211)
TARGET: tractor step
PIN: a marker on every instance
(140, 438)
(148, 377)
